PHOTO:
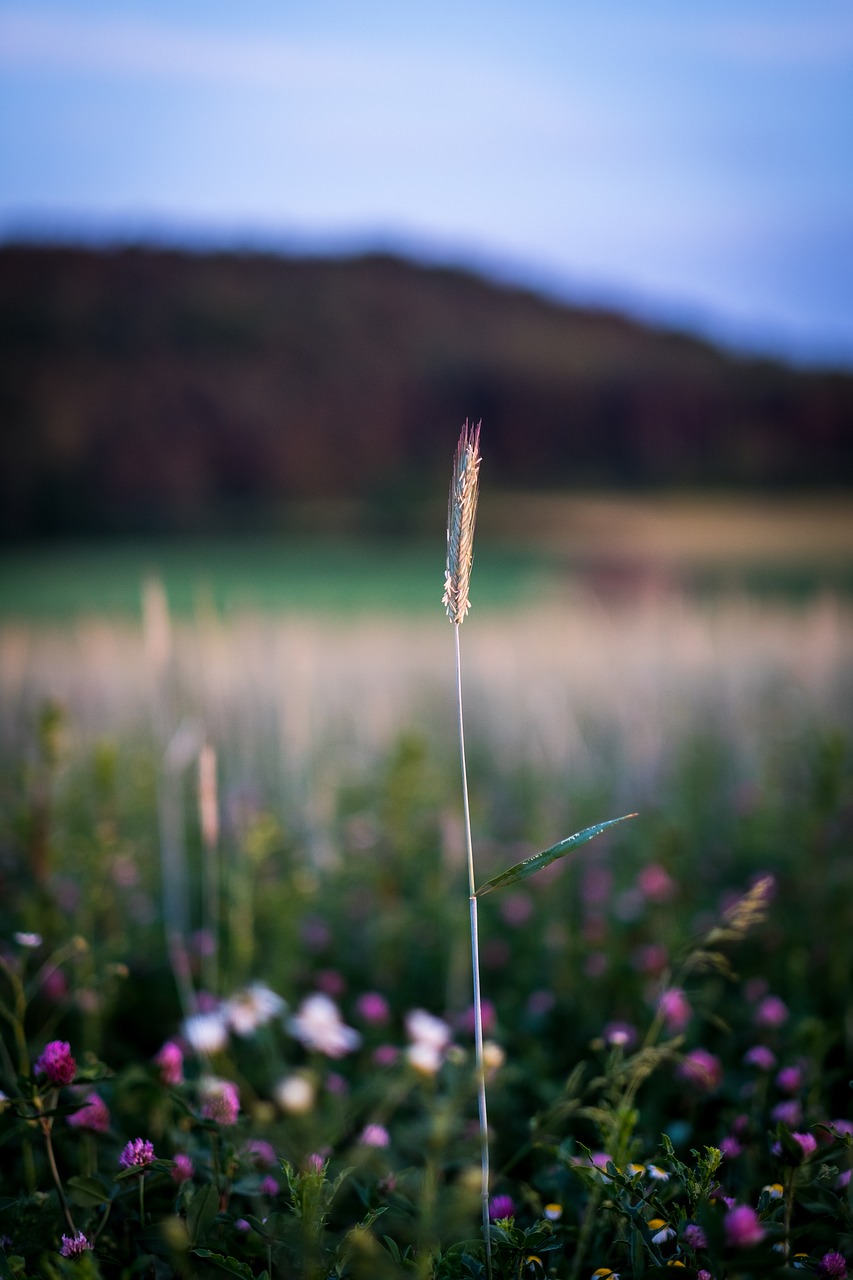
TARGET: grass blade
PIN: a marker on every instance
(530, 865)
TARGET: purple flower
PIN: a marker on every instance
(375, 1135)
(833, 1266)
(138, 1153)
(93, 1116)
(74, 1246)
(742, 1227)
(760, 1056)
(373, 1008)
(790, 1079)
(702, 1069)
(261, 1152)
(269, 1186)
(184, 1168)
(501, 1207)
(731, 1147)
(656, 883)
(56, 1063)
(385, 1055)
(694, 1236)
(170, 1060)
(789, 1112)
(674, 1008)
(807, 1143)
(772, 1012)
(220, 1101)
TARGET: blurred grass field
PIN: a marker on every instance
(530, 549)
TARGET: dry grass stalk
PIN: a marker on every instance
(461, 517)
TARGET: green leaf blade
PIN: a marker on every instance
(537, 861)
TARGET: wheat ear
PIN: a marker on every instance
(461, 517)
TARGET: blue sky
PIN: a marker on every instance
(693, 161)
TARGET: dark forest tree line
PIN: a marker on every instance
(149, 389)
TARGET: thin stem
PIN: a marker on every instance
(46, 1123)
(475, 970)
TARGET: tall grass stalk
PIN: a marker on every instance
(461, 518)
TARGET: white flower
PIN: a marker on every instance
(295, 1094)
(430, 1038)
(318, 1025)
(253, 1008)
(424, 1057)
(27, 939)
(425, 1028)
(206, 1032)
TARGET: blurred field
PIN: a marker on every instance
(604, 673)
(531, 548)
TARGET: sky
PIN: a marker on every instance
(689, 162)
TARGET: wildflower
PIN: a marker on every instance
(56, 1063)
(656, 1173)
(775, 1190)
(29, 940)
(704, 1275)
(385, 1055)
(336, 1084)
(468, 1019)
(252, 1008)
(93, 1115)
(138, 1153)
(430, 1037)
(694, 1236)
(295, 1094)
(184, 1168)
(833, 1266)
(655, 883)
(74, 1246)
(501, 1207)
(315, 1162)
(318, 1025)
(373, 1008)
(635, 1170)
(553, 1212)
(220, 1100)
(789, 1112)
(674, 1008)
(742, 1227)
(702, 1069)
(807, 1143)
(261, 1152)
(269, 1186)
(619, 1034)
(760, 1056)
(493, 1058)
(604, 1273)
(375, 1135)
(661, 1231)
(170, 1060)
(206, 1032)
(731, 1147)
(790, 1079)
(772, 1012)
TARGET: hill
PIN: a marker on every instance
(146, 389)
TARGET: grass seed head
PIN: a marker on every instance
(461, 516)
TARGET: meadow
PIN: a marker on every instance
(235, 989)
